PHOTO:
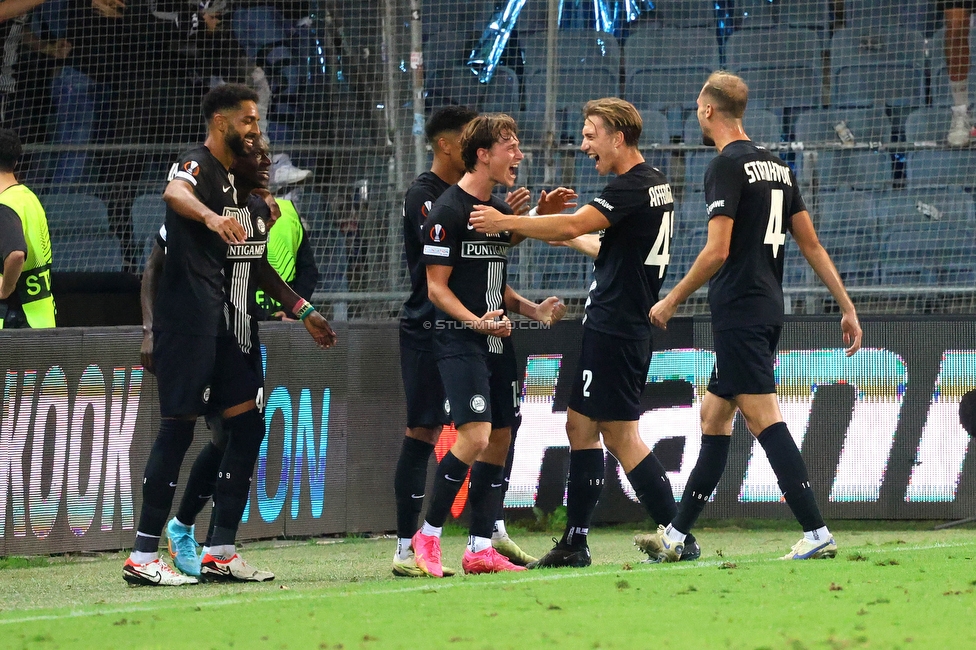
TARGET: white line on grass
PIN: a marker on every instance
(534, 576)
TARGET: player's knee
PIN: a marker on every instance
(246, 432)
(424, 434)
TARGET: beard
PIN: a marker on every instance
(235, 143)
(707, 141)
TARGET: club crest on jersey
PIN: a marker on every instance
(447, 407)
(478, 404)
(262, 228)
(437, 233)
(425, 209)
(206, 395)
(191, 167)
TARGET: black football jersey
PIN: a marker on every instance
(634, 252)
(240, 283)
(417, 317)
(190, 296)
(480, 270)
(759, 192)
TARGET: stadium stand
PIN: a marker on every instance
(884, 66)
(783, 67)
(841, 168)
(936, 167)
(80, 237)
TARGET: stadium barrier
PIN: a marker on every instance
(880, 431)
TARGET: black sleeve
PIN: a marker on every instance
(723, 187)
(198, 171)
(417, 205)
(617, 201)
(442, 236)
(798, 204)
(306, 272)
(161, 237)
(11, 233)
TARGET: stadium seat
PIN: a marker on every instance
(782, 67)
(848, 228)
(148, 214)
(877, 68)
(459, 85)
(75, 215)
(690, 234)
(841, 169)
(666, 68)
(756, 14)
(97, 253)
(554, 268)
(257, 27)
(941, 93)
(927, 237)
(589, 68)
(936, 168)
(809, 14)
(796, 271)
(868, 14)
(685, 13)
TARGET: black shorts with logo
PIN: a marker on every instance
(422, 386)
(196, 375)
(482, 388)
(610, 377)
(744, 360)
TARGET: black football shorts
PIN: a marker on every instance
(744, 360)
(481, 388)
(610, 377)
(422, 387)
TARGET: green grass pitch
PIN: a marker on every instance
(891, 586)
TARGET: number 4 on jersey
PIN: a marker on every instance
(775, 235)
(660, 254)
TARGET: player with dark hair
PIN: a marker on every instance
(247, 265)
(466, 282)
(198, 363)
(635, 213)
(25, 247)
(425, 396)
(753, 199)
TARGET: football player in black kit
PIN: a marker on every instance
(752, 200)
(422, 386)
(247, 265)
(635, 212)
(197, 361)
(466, 282)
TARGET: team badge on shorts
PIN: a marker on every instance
(261, 227)
(447, 407)
(206, 395)
(478, 404)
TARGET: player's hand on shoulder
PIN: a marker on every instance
(556, 201)
(491, 325)
(852, 332)
(321, 331)
(551, 310)
(661, 313)
(518, 200)
(227, 227)
(485, 219)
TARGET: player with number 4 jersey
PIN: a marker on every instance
(635, 216)
(752, 200)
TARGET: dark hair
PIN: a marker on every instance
(10, 149)
(481, 133)
(448, 119)
(225, 97)
(728, 93)
(618, 116)
(967, 412)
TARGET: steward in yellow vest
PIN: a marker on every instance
(25, 247)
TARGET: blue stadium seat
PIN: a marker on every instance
(690, 234)
(941, 92)
(459, 85)
(554, 268)
(877, 68)
(75, 215)
(666, 68)
(796, 271)
(685, 13)
(868, 14)
(808, 14)
(589, 68)
(257, 27)
(848, 228)
(756, 14)
(841, 169)
(782, 67)
(96, 253)
(148, 214)
(936, 168)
